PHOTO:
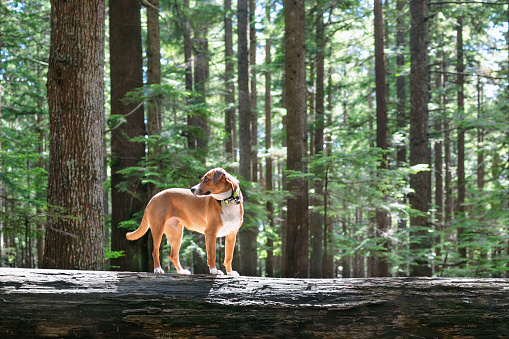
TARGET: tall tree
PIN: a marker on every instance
(199, 118)
(382, 217)
(188, 64)
(253, 93)
(269, 260)
(297, 237)
(401, 106)
(439, 187)
(126, 64)
(317, 218)
(229, 116)
(154, 116)
(460, 82)
(243, 89)
(154, 122)
(419, 97)
(328, 241)
(248, 248)
(75, 231)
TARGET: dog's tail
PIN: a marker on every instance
(144, 226)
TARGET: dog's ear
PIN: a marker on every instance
(218, 174)
(233, 181)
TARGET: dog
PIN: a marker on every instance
(214, 207)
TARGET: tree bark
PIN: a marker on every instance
(154, 106)
(139, 305)
(402, 120)
(328, 225)
(382, 217)
(75, 225)
(253, 93)
(439, 178)
(243, 88)
(419, 96)
(297, 237)
(460, 81)
(269, 260)
(154, 122)
(248, 248)
(229, 82)
(126, 75)
(317, 218)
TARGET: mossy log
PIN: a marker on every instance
(39, 303)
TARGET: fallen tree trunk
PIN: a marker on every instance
(104, 304)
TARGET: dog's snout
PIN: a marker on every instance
(195, 189)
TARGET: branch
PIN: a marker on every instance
(125, 115)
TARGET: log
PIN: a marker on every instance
(57, 303)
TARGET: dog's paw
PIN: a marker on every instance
(158, 270)
(233, 274)
(215, 271)
(184, 271)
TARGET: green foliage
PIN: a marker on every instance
(354, 185)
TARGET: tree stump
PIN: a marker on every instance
(120, 304)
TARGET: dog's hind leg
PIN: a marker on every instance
(174, 231)
(157, 237)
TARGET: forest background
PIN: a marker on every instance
(374, 142)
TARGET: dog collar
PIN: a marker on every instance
(234, 197)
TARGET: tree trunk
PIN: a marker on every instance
(154, 123)
(47, 303)
(382, 217)
(229, 82)
(297, 237)
(188, 47)
(126, 75)
(154, 107)
(460, 81)
(243, 87)
(248, 248)
(75, 225)
(316, 220)
(199, 119)
(402, 120)
(328, 240)
(439, 182)
(419, 96)
(448, 204)
(253, 95)
(269, 260)
(480, 139)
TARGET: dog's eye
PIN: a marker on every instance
(205, 179)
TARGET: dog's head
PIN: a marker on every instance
(216, 181)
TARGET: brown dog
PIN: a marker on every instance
(213, 207)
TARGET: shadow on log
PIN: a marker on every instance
(39, 303)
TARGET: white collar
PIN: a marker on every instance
(222, 196)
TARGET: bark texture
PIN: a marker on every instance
(248, 248)
(419, 154)
(460, 83)
(126, 75)
(316, 221)
(381, 268)
(229, 114)
(296, 250)
(75, 227)
(137, 305)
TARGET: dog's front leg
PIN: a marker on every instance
(228, 253)
(210, 242)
